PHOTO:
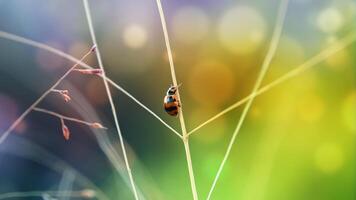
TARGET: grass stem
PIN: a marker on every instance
(112, 105)
(29, 109)
(181, 118)
(22, 40)
(265, 65)
(311, 62)
(317, 59)
(90, 124)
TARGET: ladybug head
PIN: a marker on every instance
(172, 90)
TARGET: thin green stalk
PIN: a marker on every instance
(181, 118)
(320, 57)
(266, 63)
(78, 62)
(112, 105)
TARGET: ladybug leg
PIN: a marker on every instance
(178, 103)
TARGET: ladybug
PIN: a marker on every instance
(171, 102)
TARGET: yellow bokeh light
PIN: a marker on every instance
(242, 30)
(134, 36)
(211, 83)
(215, 132)
(289, 53)
(349, 111)
(339, 60)
(190, 24)
(310, 108)
(329, 158)
(330, 20)
(255, 112)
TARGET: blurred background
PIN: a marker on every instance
(298, 141)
